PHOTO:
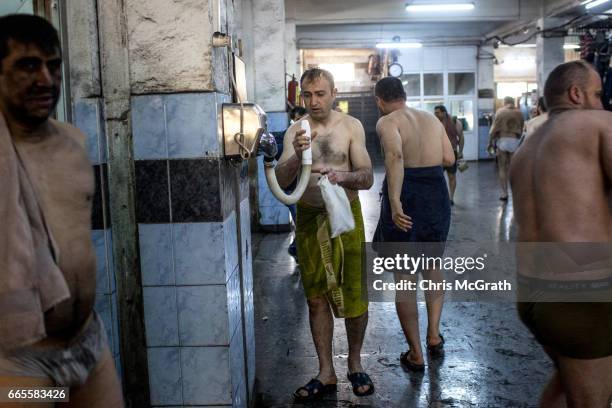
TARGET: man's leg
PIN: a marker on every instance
(587, 383)
(503, 164)
(101, 390)
(355, 332)
(553, 395)
(434, 300)
(452, 185)
(322, 329)
(23, 383)
(408, 314)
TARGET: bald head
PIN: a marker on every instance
(573, 85)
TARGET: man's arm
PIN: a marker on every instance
(448, 154)
(459, 126)
(289, 163)
(361, 176)
(394, 166)
(494, 132)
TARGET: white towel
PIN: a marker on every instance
(338, 207)
(30, 280)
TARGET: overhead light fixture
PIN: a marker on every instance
(596, 3)
(439, 7)
(394, 45)
(571, 47)
(518, 46)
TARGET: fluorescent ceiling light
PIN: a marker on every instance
(399, 45)
(596, 3)
(571, 47)
(608, 11)
(518, 46)
(440, 7)
(585, 2)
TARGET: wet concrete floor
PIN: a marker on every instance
(491, 359)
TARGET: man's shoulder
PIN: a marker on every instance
(384, 122)
(507, 111)
(69, 132)
(348, 120)
(602, 116)
(295, 126)
(583, 118)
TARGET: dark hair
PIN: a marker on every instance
(562, 78)
(508, 100)
(316, 73)
(542, 104)
(441, 108)
(390, 89)
(297, 111)
(27, 29)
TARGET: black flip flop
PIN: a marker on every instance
(436, 351)
(409, 365)
(315, 390)
(361, 380)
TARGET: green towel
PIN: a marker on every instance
(332, 267)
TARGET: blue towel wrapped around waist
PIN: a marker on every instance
(426, 200)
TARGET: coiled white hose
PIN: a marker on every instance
(304, 175)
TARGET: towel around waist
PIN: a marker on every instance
(434, 172)
(424, 195)
(422, 181)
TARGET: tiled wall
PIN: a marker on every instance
(272, 213)
(88, 118)
(195, 279)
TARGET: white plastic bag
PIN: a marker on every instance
(338, 207)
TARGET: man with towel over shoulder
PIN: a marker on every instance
(415, 204)
(49, 333)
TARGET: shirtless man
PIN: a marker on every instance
(71, 349)
(415, 205)
(454, 131)
(561, 182)
(504, 140)
(338, 152)
(534, 124)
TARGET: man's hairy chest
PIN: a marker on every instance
(331, 149)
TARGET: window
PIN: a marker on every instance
(341, 72)
(513, 89)
(433, 84)
(461, 83)
(429, 105)
(413, 104)
(412, 84)
(464, 111)
(531, 87)
(16, 6)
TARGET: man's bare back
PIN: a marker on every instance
(423, 136)
(331, 149)
(57, 163)
(561, 178)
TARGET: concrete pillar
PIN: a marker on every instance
(192, 207)
(550, 52)
(87, 115)
(292, 66)
(486, 97)
(269, 36)
(270, 93)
